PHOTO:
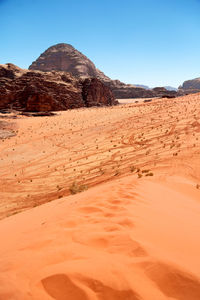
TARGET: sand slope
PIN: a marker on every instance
(92, 146)
(127, 239)
(129, 236)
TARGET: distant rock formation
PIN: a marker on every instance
(64, 57)
(190, 86)
(170, 88)
(146, 87)
(162, 92)
(49, 91)
(124, 91)
(95, 93)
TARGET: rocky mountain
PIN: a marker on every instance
(170, 88)
(35, 91)
(64, 57)
(190, 86)
(146, 87)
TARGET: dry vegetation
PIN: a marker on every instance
(50, 155)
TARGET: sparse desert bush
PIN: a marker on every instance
(117, 173)
(149, 174)
(77, 188)
(58, 188)
(145, 171)
(132, 168)
(147, 152)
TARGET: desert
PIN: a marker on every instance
(100, 150)
(122, 218)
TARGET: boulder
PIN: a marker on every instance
(95, 93)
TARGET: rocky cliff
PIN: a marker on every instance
(46, 91)
(64, 57)
(190, 86)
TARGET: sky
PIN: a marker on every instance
(150, 42)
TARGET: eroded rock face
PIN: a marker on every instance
(46, 91)
(125, 92)
(190, 86)
(94, 92)
(64, 57)
(163, 92)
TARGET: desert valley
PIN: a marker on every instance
(99, 184)
(133, 233)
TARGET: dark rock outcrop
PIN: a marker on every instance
(162, 92)
(94, 92)
(49, 91)
(125, 92)
(64, 57)
(190, 86)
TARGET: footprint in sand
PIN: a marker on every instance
(123, 243)
(60, 287)
(115, 202)
(126, 222)
(90, 209)
(174, 283)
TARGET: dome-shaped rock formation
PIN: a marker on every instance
(64, 57)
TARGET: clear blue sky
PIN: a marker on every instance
(152, 42)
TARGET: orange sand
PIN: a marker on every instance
(130, 238)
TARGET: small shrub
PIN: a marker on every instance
(76, 188)
(117, 173)
(149, 174)
(132, 168)
(145, 171)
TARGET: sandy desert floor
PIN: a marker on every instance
(134, 234)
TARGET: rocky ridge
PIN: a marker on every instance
(190, 86)
(64, 57)
(49, 91)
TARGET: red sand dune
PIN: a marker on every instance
(131, 238)
(127, 239)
